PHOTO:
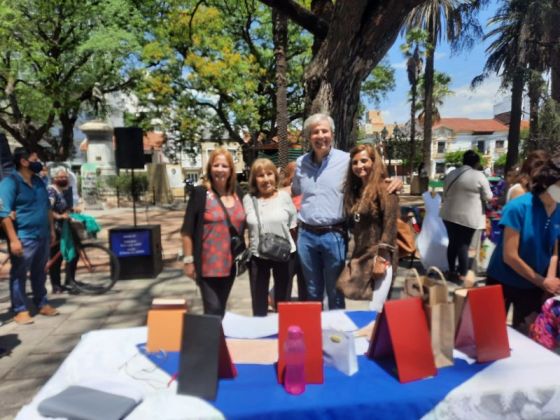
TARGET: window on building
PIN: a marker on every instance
(441, 147)
(440, 167)
(500, 144)
(481, 146)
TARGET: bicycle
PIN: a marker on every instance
(97, 269)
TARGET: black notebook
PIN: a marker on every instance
(81, 403)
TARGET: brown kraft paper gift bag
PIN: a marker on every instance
(439, 311)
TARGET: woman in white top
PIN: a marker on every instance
(277, 215)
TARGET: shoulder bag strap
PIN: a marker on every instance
(256, 207)
(456, 178)
(230, 225)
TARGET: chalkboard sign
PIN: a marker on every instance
(131, 243)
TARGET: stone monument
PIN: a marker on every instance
(100, 160)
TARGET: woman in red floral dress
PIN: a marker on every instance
(206, 238)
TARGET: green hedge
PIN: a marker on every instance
(124, 183)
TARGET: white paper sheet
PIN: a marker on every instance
(240, 326)
(337, 320)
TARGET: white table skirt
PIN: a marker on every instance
(523, 386)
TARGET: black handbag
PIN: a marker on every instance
(241, 255)
(271, 246)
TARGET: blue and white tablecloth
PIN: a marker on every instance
(524, 386)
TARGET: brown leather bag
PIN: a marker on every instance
(405, 239)
(357, 278)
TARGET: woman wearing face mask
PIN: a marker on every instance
(372, 215)
(205, 232)
(525, 260)
(60, 209)
(277, 215)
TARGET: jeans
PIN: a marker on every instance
(34, 260)
(322, 257)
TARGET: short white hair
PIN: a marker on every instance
(57, 170)
(315, 119)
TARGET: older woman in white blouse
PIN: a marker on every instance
(277, 215)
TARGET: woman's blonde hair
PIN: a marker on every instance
(261, 165)
(357, 200)
(231, 182)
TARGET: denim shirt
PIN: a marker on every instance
(31, 204)
(321, 186)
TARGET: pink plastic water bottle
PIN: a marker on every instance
(294, 353)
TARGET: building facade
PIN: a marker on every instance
(489, 136)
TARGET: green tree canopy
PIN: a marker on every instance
(456, 158)
(57, 56)
(379, 83)
(213, 69)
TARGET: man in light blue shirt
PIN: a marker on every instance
(320, 176)
(27, 221)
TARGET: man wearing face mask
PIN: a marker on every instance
(29, 233)
(525, 261)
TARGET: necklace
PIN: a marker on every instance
(356, 213)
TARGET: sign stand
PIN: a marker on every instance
(204, 357)
(401, 332)
(307, 316)
(134, 197)
(482, 333)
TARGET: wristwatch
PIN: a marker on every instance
(188, 259)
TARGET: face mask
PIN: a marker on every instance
(62, 183)
(554, 192)
(35, 167)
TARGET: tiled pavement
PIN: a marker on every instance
(37, 350)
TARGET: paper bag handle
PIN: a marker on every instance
(409, 287)
(436, 270)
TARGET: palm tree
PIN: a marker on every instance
(515, 54)
(554, 33)
(415, 40)
(455, 20)
(440, 92)
(280, 35)
(538, 53)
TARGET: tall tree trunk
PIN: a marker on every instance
(280, 35)
(414, 93)
(413, 127)
(67, 120)
(555, 40)
(359, 35)
(555, 78)
(515, 119)
(534, 92)
(429, 99)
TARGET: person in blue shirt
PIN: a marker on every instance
(525, 260)
(320, 177)
(27, 221)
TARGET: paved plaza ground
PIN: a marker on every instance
(37, 350)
